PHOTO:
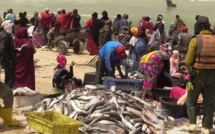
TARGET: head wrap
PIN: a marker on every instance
(133, 30)
(7, 25)
(22, 33)
(59, 10)
(125, 16)
(175, 54)
(184, 29)
(167, 48)
(120, 52)
(61, 59)
(21, 37)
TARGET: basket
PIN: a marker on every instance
(51, 122)
(124, 84)
(172, 109)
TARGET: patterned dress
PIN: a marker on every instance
(151, 65)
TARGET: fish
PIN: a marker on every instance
(139, 100)
(86, 98)
(76, 108)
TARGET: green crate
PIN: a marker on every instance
(51, 122)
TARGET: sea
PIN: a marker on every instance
(186, 9)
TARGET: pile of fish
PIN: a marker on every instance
(104, 110)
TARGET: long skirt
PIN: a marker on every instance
(37, 40)
(91, 46)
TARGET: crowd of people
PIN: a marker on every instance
(156, 55)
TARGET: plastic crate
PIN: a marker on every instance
(124, 84)
(51, 122)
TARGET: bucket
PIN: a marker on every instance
(160, 92)
(89, 78)
(172, 109)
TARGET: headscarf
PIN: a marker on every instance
(125, 16)
(21, 37)
(7, 25)
(167, 48)
(143, 27)
(61, 59)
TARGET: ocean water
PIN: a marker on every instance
(187, 9)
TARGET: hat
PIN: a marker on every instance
(184, 29)
(202, 20)
(46, 9)
(59, 10)
(120, 52)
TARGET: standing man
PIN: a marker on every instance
(75, 19)
(6, 94)
(46, 19)
(7, 53)
(201, 57)
(110, 56)
(177, 28)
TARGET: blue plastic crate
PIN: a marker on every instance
(124, 84)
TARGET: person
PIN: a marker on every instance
(104, 17)
(137, 48)
(157, 38)
(63, 20)
(170, 31)
(105, 33)
(93, 24)
(6, 94)
(46, 20)
(200, 56)
(174, 68)
(25, 70)
(116, 25)
(196, 32)
(22, 20)
(155, 67)
(37, 38)
(16, 26)
(124, 22)
(177, 28)
(75, 19)
(50, 36)
(183, 40)
(110, 56)
(159, 20)
(7, 53)
(64, 80)
(10, 15)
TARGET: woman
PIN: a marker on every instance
(25, 70)
(94, 25)
(63, 79)
(37, 38)
(138, 47)
(174, 64)
(155, 66)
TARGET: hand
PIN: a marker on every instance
(72, 63)
(122, 76)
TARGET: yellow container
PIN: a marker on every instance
(51, 122)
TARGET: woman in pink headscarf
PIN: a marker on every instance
(63, 79)
(25, 70)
